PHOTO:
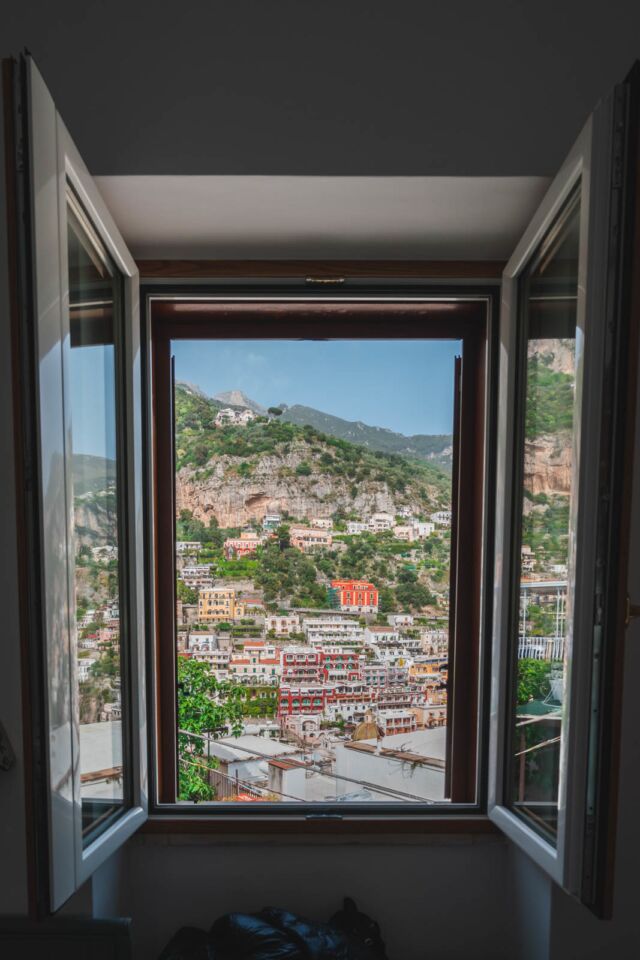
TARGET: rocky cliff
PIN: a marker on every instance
(237, 473)
(547, 464)
(275, 486)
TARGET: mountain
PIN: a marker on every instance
(92, 474)
(236, 398)
(237, 473)
(433, 448)
(192, 388)
(436, 448)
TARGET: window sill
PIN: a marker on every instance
(314, 826)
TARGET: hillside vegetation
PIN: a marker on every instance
(550, 395)
(435, 448)
(548, 442)
(305, 473)
(317, 454)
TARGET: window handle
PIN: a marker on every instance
(633, 612)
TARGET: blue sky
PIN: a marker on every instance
(93, 403)
(405, 385)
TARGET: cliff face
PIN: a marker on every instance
(550, 397)
(547, 464)
(96, 519)
(274, 487)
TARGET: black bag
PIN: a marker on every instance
(274, 934)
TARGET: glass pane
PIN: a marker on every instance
(93, 308)
(542, 620)
(313, 554)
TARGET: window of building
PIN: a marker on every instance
(384, 431)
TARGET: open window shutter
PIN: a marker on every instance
(565, 330)
(80, 326)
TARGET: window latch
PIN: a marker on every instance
(325, 280)
(633, 612)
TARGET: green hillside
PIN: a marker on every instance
(434, 448)
(550, 398)
(317, 454)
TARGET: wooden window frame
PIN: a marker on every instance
(461, 312)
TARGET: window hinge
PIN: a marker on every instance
(633, 612)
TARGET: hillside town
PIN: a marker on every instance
(339, 698)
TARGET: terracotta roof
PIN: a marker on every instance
(285, 764)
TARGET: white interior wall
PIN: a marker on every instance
(437, 898)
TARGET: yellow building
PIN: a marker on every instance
(219, 603)
(419, 670)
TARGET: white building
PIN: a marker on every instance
(409, 764)
(193, 571)
(381, 634)
(229, 415)
(271, 520)
(378, 674)
(333, 629)
(205, 647)
(442, 518)
(331, 626)
(187, 547)
(404, 532)
(84, 667)
(89, 643)
(197, 577)
(322, 523)
(423, 529)
(396, 721)
(308, 539)
(304, 726)
(356, 526)
(257, 663)
(106, 552)
(400, 619)
(282, 626)
(380, 522)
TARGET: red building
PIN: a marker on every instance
(297, 698)
(348, 699)
(301, 665)
(243, 546)
(340, 663)
(355, 596)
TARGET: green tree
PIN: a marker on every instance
(186, 594)
(533, 679)
(386, 600)
(205, 707)
(282, 536)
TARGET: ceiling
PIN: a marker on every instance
(332, 88)
(251, 217)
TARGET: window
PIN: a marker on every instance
(563, 391)
(558, 619)
(548, 445)
(94, 309)
(79, 344)
(229, 455)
